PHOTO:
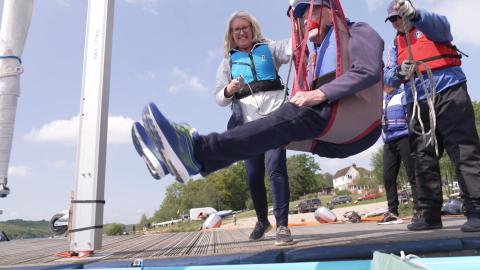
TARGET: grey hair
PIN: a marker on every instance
(229, 43)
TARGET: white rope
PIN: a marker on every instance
(428, 136)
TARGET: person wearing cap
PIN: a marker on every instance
(307, 115)
(431, 43)
(396, 150)
(247, 80)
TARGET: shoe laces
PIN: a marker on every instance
(389, 214)
(283, 230)
(259, 227)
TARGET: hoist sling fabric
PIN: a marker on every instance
(353, 117)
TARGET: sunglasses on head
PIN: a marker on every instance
(394, 18)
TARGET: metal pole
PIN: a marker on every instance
(86, 231)
(16, 19)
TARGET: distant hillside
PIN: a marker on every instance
(21, 229)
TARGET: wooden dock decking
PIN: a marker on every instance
(311, 243)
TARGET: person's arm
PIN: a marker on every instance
(435, 27)
(223, 78)
(390, 74)
(365, 51)
(281, 51)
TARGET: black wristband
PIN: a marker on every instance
(397, 72)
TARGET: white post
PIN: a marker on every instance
(86, 231)
(16, 19)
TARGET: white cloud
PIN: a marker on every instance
(60, 164)
(11, 214)
(66, 131)
(18, 171)
(185, 81)
(461, 14)
(373, 5)
(149, 6)
(119, 129)
(65, 3)
(151, 75)
(214, 53)
(362, 159)
(55, 131)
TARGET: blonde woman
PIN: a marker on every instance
(248, 81)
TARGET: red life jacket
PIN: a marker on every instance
(436, 55)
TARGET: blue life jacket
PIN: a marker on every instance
(394, 124)
(257, 69)
(323, 60)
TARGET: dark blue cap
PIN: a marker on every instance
(391, 11)
(300, 6)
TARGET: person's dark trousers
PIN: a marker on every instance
(456, 132)
(276, 162)
(289, 123)
(394, 153)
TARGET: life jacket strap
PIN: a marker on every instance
(441, 56)
(260, 86)
(326, 78)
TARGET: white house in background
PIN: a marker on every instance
(348, 179)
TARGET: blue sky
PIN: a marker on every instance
(166, 51)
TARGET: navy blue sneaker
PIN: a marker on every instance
(148, 151)
(174, 142)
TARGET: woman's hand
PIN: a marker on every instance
(309, 98)
(232, 88)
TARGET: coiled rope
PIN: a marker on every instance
(429, 137)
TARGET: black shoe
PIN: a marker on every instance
(423, 225)
(283, 237)
(472, 224)
(390, 218)
(417, 215)
(260, 230)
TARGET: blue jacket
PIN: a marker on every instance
(365, 51)
(437, 29)
(325, 56)
(394, 123)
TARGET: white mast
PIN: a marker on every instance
(86, 231)
(15, 22)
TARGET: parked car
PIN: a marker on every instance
(309, 205)
(368, 196)
(341, 199)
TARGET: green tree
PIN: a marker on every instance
(447, 171)
(198, 193)
(114, 229)
(476, 110)
(324, 180)
(143, 221)
(376, 162)
(22, 229)
(231, 185)
(377, 171)
(170, 206)
(302, 174)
